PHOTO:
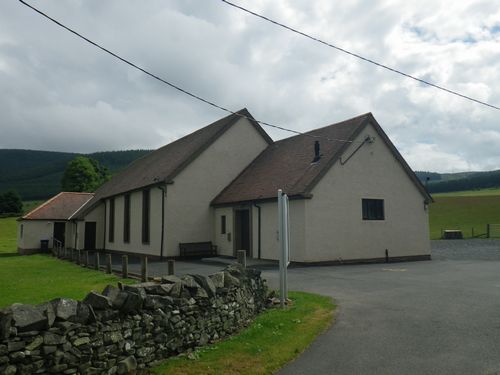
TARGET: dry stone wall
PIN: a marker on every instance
(125, 329)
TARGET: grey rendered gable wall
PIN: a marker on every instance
(189, 217)
(335, 230)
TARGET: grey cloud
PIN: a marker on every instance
(60, 94)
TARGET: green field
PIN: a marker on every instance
(8, 230)
(464, 211)
(468, 193)
(39, 278)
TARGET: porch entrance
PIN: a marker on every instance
(242, 231)
(90, 235)
(59, 231)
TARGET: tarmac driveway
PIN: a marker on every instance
(431, 317)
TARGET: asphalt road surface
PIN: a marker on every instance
(430, 317)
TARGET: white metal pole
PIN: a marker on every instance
(286, 249)
(280, 239)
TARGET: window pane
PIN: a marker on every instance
(145, 216)
(223, 224)
(126, 218)
(111, 234)
(373, 209)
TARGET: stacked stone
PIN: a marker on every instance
(127, 328)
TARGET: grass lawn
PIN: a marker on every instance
(40, 278)
(273, 339)
(8, 235)
(464, 213)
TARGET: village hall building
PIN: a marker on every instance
(353, 198)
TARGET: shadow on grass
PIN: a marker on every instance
(9, 255)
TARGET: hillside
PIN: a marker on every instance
(37, 174)
(447, 182)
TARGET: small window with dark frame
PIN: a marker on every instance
(373, 209)
(126, 218)
(145, 215)
(223, 224)
(111, 233)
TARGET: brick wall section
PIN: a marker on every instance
(126, 329)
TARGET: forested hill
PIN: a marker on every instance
(37, 174)
(444, 182)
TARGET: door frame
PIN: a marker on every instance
(250, 230)
(85, 235)
(58, 223)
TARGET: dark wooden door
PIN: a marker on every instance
(90, 235)
(59, 231)
(242, 231)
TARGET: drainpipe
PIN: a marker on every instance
(164, 192)
(259, 227)
(105, 225)
(76, 234)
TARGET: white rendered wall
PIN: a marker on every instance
(189, 217)
(334, 225)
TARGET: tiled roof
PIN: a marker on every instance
(60, 207)
(288, 164)
(164, 164)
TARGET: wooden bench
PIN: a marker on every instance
(197, 250)
(452, 234)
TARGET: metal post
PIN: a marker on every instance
(109, 265)
(124, 266)
(171, 267)
(87, 262)
(286, 244)
(97, 261)
(281, 248)
(144, 268)
(242, 257)
(78, 257)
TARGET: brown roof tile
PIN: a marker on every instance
(164, 164)
(60, 207)
(287, 164)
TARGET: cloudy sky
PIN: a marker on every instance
(59, 93)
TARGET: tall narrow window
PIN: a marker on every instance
(126, 218)
(111, 233)
(145, 215)
(22, 231)
(223, 224)
(373, 209)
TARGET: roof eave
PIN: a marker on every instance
(338, 154)
(261, 200)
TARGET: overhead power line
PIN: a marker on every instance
(394, 70)
(176, 87)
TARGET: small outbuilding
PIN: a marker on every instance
(50, 221)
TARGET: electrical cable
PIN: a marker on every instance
(394, 70)
(176, 87)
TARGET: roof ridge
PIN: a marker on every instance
(76, 192)
(79, 208)
(42, 205)
(324, 127)
(335, 156)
